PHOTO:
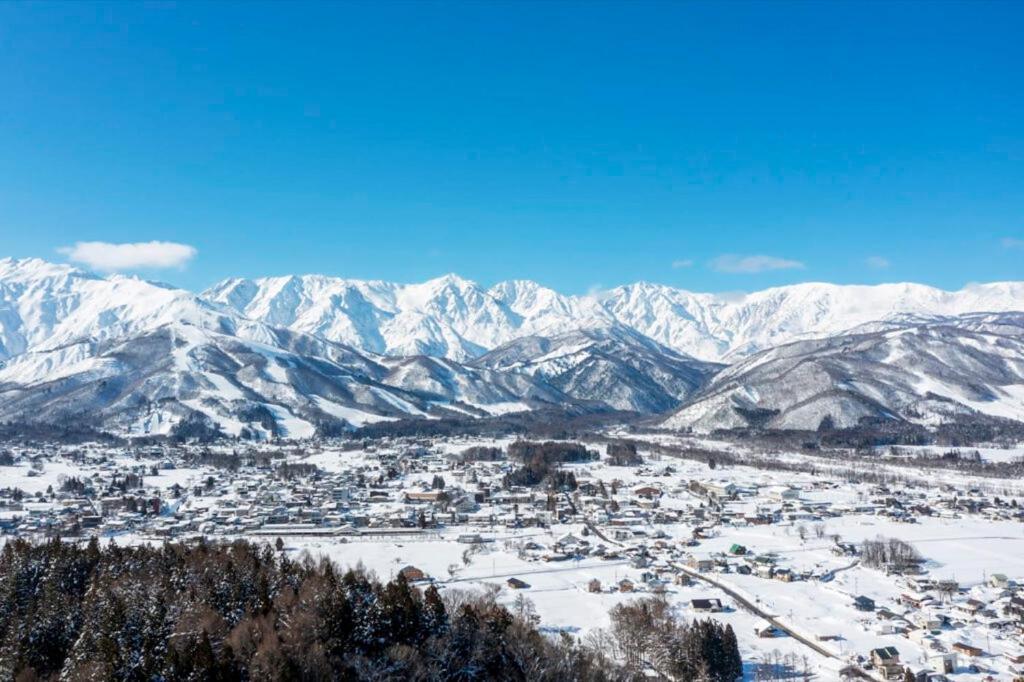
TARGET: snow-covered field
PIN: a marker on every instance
(811, 509)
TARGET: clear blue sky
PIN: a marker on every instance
(576, 144)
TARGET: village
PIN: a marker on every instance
(821, 577)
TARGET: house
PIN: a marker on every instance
(926, 620)
(920, 584)
(917, 601)
(782, 492)
(786, 575)
(998, 580)
(720, 490)
(706, 605)
(682, 579)
(517, 584)
(863, 603)
(647, 492)
(967, 649)
(766, 630)
(942, 662)
(594, 585)
(625, 585)
(737, 550)
(969, 608)
(469, 538)
(412, 574)
(887, 660)
(640, 561)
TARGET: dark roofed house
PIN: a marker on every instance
(887, 660)
(863, 603)
(706, 605)
(516, 584)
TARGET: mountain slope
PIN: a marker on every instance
(920, 372)
(148, 383)
(614, 365)
(479, 390)
(139, 357)
(319, 351)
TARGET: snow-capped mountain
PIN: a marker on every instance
(301, 353)
(447, 317)
(457, 319)
(149, 382)
(727, 328)
(45, 306)
(140, 357)
(612, 364)
(920, 371)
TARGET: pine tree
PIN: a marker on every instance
(734, 662)
(435, 617)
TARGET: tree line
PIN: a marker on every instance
(891, 554)
(241, 611)
(540, 464)
(245, 612)
(648, 635)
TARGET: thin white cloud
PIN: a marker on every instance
(114, 257)
(733, 264)
(877, 262)
(682, 263)
(1012, 243)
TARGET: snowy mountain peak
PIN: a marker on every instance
(311, 348)
(25, 270)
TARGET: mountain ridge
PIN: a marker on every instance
(710, 327)
(317, 353)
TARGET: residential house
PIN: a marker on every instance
(706, 605)
(887, 660)
(863, 603)
(968, 649)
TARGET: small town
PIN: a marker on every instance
(820, 576)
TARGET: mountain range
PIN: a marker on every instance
(301, 355)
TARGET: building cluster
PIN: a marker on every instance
(434, 488)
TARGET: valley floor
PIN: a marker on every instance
(665, 534)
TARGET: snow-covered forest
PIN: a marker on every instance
(245, 611)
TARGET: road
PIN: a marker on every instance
(744, 603)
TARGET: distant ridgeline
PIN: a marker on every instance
(315, 357)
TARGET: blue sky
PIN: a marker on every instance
(719, 146)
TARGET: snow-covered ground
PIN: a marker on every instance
(957, 543)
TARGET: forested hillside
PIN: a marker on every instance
(244, 611)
